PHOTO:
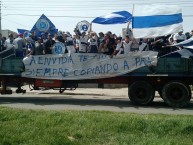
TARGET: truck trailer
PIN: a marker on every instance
(171, 77)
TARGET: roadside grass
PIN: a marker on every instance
(35, 127)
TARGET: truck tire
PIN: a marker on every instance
(176, 94)
(160, 93)
(141, 93)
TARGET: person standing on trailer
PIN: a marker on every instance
(179, 37)
(123, 47)
(2, 42)
(29, 46)
(76, 42)
(93, 44)
(9, 42)
(69, 43)
(100, 38)
(39, 47)
(83, 42)
(107, 46)
(119, 48)
(9, 47)
(48, 45)
(143, 44)
(19, 44)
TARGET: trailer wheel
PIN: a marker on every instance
(141, 93)
(176, 94)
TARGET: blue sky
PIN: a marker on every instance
(66, 14)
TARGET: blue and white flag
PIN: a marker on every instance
(24, 32)
(187, 52)
(114, 18)
(186, 43)
(151, 21)
(44, 25)
(21, 31)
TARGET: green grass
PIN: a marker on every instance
(27, 127)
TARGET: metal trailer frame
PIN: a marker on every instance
(171, 77)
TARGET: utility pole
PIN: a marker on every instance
(0, 17)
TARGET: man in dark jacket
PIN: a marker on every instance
(2, 41)
(48, 45)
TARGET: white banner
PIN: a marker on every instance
(79, 66)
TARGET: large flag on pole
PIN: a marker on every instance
(156, 20)
(44, 25)
(119, 17)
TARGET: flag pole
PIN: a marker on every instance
(130, 22)
(90, 29)
(132, 9)
(132, 19)
(90, 26)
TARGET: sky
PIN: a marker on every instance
(65, 14)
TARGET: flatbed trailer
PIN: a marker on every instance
(172, 77)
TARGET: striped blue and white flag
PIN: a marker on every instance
(21, 31)
(151, 21)
(120, 17)
(187, 52)
(186, 43)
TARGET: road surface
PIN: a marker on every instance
(87, 99)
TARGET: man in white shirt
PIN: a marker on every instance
(179, 37)
(69, 43)
(127, 45)
(9, 47)
(19, 44)
(143, 45)
(123, 47)
(9, 42)
(83, 43)
(93, 44)
(119, 48)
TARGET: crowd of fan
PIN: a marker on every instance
(92, 42)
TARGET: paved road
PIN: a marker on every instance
(87, 99)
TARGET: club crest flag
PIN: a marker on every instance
(44, 25)
(83, 26)
(151, 21)
(58, 48)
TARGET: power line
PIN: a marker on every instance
(80, 5)
(75, 8)
(0, 16)
(15, 22)
(65, 2)
(64, 16)
(89, 3)
(102, 2)
(48, 16)
(65, 6)
(20, 11)
(105, 9)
